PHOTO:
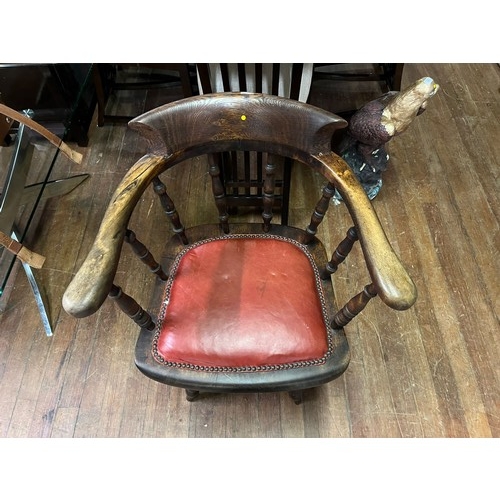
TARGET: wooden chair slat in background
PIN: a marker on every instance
(241, 173)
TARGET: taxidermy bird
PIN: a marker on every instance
(375, 124)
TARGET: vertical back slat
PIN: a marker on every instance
(204, 76)
(276, 79)
(246, 174)
(258, 77)
(297, 69)
(218, 192)
(259, 173)
(285, 189)
(224, 70)
(242, 78)
(268, 195)
(233, 165)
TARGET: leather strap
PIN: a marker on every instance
(31, 258)
(52, 138)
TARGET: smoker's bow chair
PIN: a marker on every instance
(246, 307)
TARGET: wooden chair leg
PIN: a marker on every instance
(101, 98)
(297, 396)
(192, 395)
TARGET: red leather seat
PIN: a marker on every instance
(253, 302)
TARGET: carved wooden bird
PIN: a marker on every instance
(376, 123)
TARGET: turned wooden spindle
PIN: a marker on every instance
(219, 195)
(340, 253)
(268, 194)
(259, 175)
(131, 308)
(169, 208)
(320, 211)
(144, 254)
(246, 167)
(354, 306)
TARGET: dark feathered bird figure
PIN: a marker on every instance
(375, 124)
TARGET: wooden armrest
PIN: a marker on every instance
(92, 283)
(392, 282)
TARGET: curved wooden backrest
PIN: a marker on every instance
(218, 122)
(237, 121)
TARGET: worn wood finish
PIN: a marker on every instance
(431, 371)
(94, 281)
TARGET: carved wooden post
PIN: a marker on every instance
(260, 162)
(320, 211)
(144, 254)
(354, 306)
(341, 252)
(169, 209)
(131, 308)
(246, 167)
(268, 195)
(219, 195)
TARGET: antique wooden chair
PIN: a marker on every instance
(241, 173)
(247, 307)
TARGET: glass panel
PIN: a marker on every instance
(25, 168)
(63, 101)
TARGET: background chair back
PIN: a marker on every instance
(241, 174)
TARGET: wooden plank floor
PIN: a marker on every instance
(432, 371)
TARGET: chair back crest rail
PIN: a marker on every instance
(241, 121)
(214, 123)
(241, 173)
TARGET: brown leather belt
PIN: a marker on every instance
(31, 258)
(52, 138)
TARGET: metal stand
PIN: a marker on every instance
(36, 292)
